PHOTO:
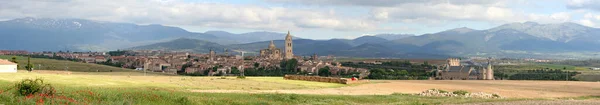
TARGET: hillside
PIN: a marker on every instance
(61, 65)
(249, 37)
(183, 44)
(55, 34)
(46, 34)
(394, 36)
(528, 39)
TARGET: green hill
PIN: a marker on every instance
(51, 64)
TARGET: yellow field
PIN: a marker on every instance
(514, 89)
(136, 79)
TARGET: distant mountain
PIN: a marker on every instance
(563, 32)
(302, 47)
(183, 44)
(368, 39)
(361, 40)
(528, 37)
(249, 37)
(514, 40)
(393, 36)
(45, 34)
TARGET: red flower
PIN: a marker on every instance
(29, 96)
(40, 102)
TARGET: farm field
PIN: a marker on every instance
(505, 88)
(76, 88)
(134, 88)
(135, 79)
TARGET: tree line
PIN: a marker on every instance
(395, 70)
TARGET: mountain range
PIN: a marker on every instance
(528, 39)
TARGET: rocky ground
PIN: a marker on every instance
(442, 93)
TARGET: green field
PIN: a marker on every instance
(586, 74)
(63, 65)
(124, 89)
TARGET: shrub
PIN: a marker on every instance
(33, 86)
(443, 91)
(399, 93)
(496, 95)
(460, 92)
(440, 90)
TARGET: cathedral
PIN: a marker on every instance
(272, 52)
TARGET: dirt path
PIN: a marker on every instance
(512, 89)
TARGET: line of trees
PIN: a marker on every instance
(544, 75)
(395, 70)
(53, 57)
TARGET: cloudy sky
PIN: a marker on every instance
(315, 19)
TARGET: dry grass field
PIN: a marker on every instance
(510, 89)
(116, 87)
(137, 79)
(506, 88)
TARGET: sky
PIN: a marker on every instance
(314, 19)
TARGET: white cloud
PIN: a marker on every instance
(584, 4)
(591, 20)
(174, 12)
(380, 3)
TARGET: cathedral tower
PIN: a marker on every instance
(289, 52)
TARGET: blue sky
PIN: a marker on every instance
(314, 19)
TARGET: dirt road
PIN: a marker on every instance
(505, 88)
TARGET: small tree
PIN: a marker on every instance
(235, 70)
(14, 60)
(324, 71)
(29, 66)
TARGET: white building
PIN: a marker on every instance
(7, 66)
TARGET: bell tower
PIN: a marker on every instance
(289, 52)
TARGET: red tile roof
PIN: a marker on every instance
(6, 62)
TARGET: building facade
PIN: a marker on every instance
(455, 70)
(7, 66)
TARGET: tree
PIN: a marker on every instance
(29, 66)
(14, 60)
(256, 65)
(324, 71)
(234, 70)
(289, 65)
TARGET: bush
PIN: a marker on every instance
(33, 86)
(496, 95)
(460, 92)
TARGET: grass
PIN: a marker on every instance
(51, 64)
(176, 82)
(166, 90)
(165, 96)
(61, 65)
